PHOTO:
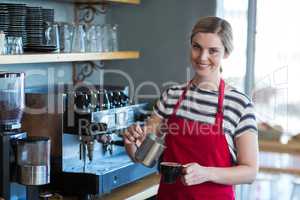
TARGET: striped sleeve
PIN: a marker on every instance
(160, 108)
(247, 121)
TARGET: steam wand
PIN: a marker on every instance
(86, 149)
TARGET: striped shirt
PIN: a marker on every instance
(201, 105)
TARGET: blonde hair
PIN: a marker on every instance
(216, 25)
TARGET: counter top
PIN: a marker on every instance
(142, 189)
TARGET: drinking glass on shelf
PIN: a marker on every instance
(9, 44)
(79, 39)
(114, 38)
(91, 39)
(68, 30)
(99, 38)
(110, 37)
(106, 39)
(19, 45)
(2, 43)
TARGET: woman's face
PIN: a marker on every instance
(207, 52)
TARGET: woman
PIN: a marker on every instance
(217, 137)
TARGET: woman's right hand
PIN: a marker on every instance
(135, 134)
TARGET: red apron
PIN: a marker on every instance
(192, 141)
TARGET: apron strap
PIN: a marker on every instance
(221, 95)
(181, 98)
(220, 114)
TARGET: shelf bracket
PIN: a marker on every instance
(86, 13)
(86, 69)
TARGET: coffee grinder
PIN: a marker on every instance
(16, 149)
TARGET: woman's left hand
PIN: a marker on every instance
(193, 174)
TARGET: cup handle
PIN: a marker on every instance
(47, 34)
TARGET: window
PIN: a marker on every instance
(277, 57)
(234, 68)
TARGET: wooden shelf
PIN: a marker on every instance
(276, 157)
(67, 57)
(102, 1)
(276, 146)
(272, 170)
(274, 162)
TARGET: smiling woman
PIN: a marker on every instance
(215, 141)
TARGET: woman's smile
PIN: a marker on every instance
(201, 65)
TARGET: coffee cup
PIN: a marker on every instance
(170, 171)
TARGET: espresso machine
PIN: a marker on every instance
(24, 161)
(93, 147)
(85, 123)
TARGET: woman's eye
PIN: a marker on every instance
(213, 51)
(195, 46)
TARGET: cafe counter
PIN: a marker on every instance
(142, 189)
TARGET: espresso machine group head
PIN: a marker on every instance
(99, 115)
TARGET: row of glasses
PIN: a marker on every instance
(69, 38)
(108, 37)
(14, 45)
(97, 38)
(11, 46)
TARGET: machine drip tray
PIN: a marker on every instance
(109, 173)
(98, 167)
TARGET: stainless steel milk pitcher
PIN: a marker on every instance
(150, 150)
